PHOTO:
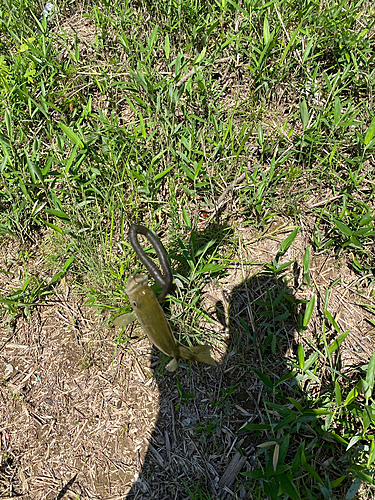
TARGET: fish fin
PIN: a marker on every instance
(200, 353)
(124, 319)
(172, 365)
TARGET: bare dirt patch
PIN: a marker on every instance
(71, 407)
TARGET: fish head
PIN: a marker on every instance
(138, 290)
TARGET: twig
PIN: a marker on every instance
(324, 202)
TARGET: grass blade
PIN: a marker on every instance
(370, 377)
(370, 132)
(304, 113)
(336, 343)
(309, 311)
(288, 487)
(71, 135)
(288, 241)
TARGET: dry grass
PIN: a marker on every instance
(82, 418)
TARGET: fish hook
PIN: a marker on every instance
(163, 279)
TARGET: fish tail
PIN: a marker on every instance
(200, 353)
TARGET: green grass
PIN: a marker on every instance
(146, 116)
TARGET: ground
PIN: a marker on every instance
(83, 417)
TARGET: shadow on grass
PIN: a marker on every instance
(199, 444)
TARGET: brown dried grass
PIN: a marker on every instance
(82, 417)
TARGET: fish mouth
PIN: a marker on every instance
(135, 281)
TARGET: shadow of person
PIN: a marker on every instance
(197, 448)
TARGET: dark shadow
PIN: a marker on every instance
(195, 446)
(67, 487)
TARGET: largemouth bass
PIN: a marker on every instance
(152, 318)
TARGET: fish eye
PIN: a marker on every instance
(134, 303)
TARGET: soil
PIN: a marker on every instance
(83, 417)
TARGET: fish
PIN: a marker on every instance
(147, 310)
